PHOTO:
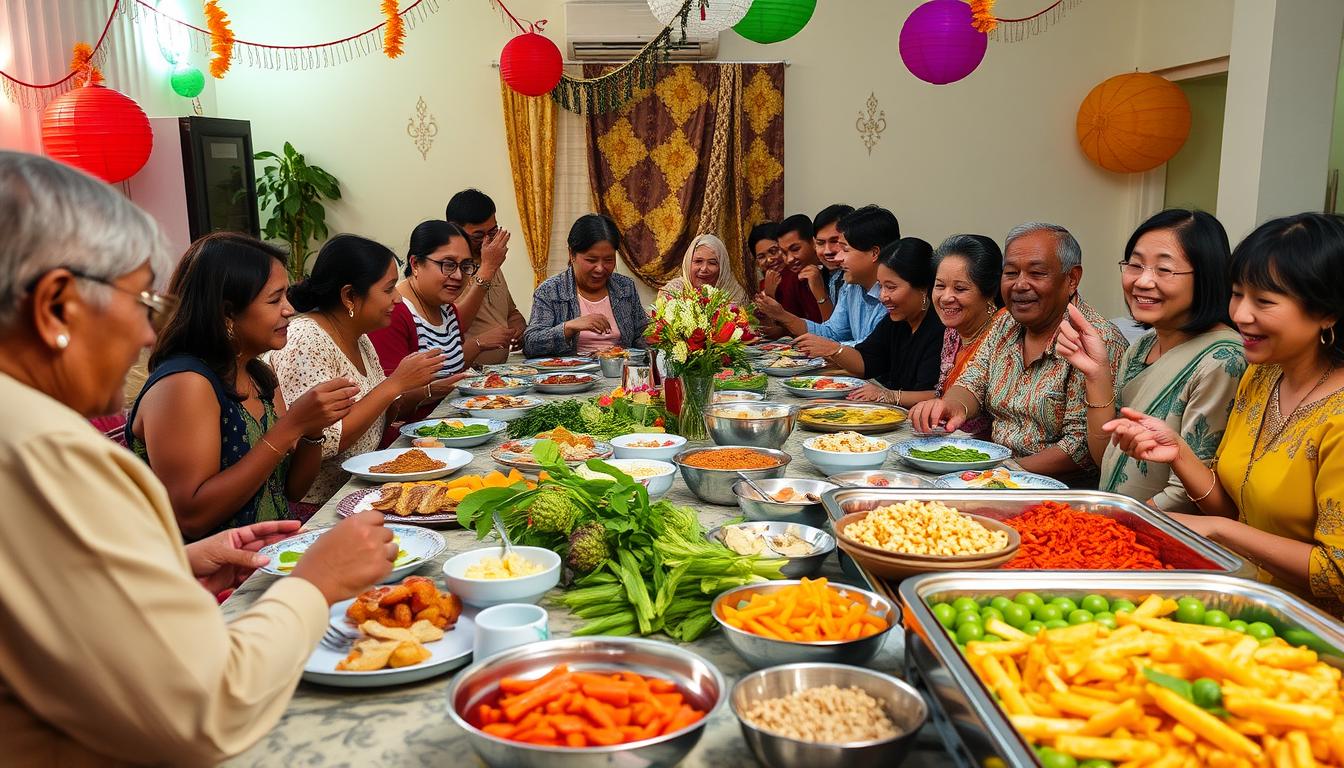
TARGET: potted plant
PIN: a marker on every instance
(292, 191)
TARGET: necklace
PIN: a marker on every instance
(1274, 422)
(424, 305)
(984, 326)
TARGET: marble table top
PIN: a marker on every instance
(408, 725)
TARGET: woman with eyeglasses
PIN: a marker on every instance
(350, 294)
(207, 420)
(433, 312)
(113, 650)
(1183, 371)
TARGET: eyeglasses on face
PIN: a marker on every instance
(157, 306)
(448, 266)
(480, 235)
(1161, 274)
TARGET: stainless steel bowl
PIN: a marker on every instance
(716, 485)
(761, 652)
(611, 366)
(762, 425)
(700, 681)
(798, 566)
(808, 512)
(902, 703)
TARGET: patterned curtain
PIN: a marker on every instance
(529, 125)
(700, 151)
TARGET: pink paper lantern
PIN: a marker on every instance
(938, 43)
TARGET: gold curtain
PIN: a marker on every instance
(529, 123)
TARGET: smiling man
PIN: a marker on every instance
(808, 298)
(826, 236)
(1036, 397)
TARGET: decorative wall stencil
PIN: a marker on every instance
(871, 124)
(422, 128)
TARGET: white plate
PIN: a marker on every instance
(452, 458)
(851, 385)
(997, 454)
(503, 414)
(422, 544)
(496, 426)
(580, 364)
(589, 381)
(453, 651)
(1024, 480)
(473, 386)
(805, 365)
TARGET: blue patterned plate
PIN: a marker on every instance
(418, 547)
(995, 453)
(998, 479)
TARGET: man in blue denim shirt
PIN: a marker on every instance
(858, 309)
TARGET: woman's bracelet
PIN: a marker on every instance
(278, 452)
(306, 440)
(1107, 404)
(1213, 474)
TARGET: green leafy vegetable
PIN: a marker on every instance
(444, 429)
(1206, 699)
(950, 453)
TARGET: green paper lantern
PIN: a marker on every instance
(188, 81)
(770, 21)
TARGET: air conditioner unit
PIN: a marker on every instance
(616, 31)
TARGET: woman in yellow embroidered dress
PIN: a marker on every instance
(1276, 491)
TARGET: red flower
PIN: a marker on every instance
(604, 401)
(697, 340)
(724, 334)
(658, 422)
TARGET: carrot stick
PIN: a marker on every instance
(576, 739)
(659, 685)
(669, 700)
(603, 736)
(567, 724)
(598, 714)
(502, 730)
(684, 717)
(607, 692)
(621, 716)
(520, 685)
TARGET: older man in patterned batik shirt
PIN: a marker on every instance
(1036, 397)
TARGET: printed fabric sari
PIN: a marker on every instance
(1191, 387)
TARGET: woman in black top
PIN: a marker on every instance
(904, 352)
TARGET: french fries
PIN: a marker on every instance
(1116, 694)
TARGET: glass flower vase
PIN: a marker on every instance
(696, 390)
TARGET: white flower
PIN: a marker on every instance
(680, 352)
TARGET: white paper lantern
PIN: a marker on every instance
(719, 15)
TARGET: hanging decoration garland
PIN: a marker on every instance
(395, 30)
(1019, 29)
(221, 39)
(202, 40)
(982, 16)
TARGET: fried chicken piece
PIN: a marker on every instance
(368, 656)
(423, 593)
(407, 655)
(450, 608)
(398, 594)
(401, 615)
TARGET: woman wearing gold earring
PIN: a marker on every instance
(350, 293)
(901, 356)
(1275, 492)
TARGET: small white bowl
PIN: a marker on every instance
(657, 485)
(664, 453)
(482, 593)
(835, 462)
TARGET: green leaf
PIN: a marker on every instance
(290, 153)
(291, 206)
(478, 501)
(1171, 683)
(263, 155)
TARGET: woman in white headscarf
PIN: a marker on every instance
(706, 263)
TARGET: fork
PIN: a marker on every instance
(337, 639)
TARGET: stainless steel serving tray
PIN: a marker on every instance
(975, 728)
(1174, 543)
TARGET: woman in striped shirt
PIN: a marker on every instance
(434, 310)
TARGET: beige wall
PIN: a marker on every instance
(1178, 32)
(1192, 175)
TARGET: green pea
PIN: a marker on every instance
(999, 603)
(1106, 619)
(1079, 616)
(1190, 611)
(1029, 599)
(1122, 606)
(1096, 764)
(970, 632)
(991, 613)
(1260, 630)
(1048, 612)
(1237, 625)
(968, 617)
(1066, 606)
(1056, 624)
(990, 637)
(965, 604)
(945, 614)
(1217, 619)
(1056, 759)
(1015, 615)
(1033, 627)
(1207, 693)
(1095, 604)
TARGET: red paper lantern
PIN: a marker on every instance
(98, 130)
(531, 64)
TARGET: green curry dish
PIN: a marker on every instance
(752, 382)
(950, 453)
(444, 429)
(290, 558)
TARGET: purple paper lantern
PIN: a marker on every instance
(938, 43)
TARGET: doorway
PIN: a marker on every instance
(1192, 175)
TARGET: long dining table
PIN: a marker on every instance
(408, 725)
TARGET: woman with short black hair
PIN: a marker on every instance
(588, 307)
(1184, 370)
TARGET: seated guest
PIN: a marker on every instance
(207, 421)
(588, 307)
(826, 236)
(1033, 394)
(1275, 492)
(966, 297)
(1184, 371)
(474, 212)
(803, 292)
(863, 233)
(350, 294)
(904, 352)
(706, 263)
(768, 262)
(111, 651)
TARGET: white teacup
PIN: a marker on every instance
(501, 627)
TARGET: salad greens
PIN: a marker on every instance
(659, 573)
(445, 429)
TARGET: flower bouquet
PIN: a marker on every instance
(699, 333)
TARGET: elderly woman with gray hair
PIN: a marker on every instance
(112, 650)
(706, 263)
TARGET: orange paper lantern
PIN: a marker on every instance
(97, 130)
(1132, 123)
